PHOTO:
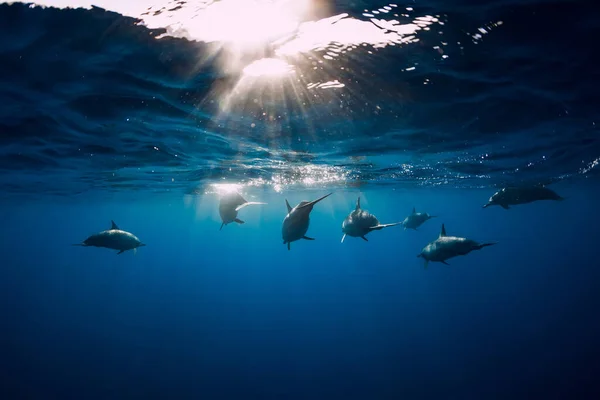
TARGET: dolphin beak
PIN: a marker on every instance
(312, 203)
(142, 245)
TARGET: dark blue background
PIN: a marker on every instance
(200, 313)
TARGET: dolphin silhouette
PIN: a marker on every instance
(295, 223)
(360, 222)
(229, 206)
(114, 238)
(513, 195)
(446, 247)
(415, 219)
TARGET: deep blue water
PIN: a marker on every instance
(101, 120)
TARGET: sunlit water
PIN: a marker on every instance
(280, 93)
(146, 112)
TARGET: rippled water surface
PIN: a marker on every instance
(178, 96)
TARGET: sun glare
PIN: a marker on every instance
(225, 188)
(247, 22)
(308, 175)
(268, 67)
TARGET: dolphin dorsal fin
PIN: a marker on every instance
(414, 210)
(288, 206)
(114, 226)
(358, 204)
(443, 232)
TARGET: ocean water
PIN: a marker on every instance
(146, 114)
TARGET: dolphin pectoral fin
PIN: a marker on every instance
(444, 262)
(239, 221)
(288, 246)
(135, 251)
(113, 225)
(506, 207)
(222, 225)
(79, 244)
(249, 203)
(307, 238)
(425, 261)
(364, 238)
(414, 211)
(122, 251)
(343, 237)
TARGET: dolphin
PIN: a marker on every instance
(512, 195)
(114, 238)
(360, 222)
(415, 219)
(446, 247)
(229, 205)
(295, 223)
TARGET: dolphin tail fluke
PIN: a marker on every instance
(248, 203)
(481, 246)
(343, 237)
